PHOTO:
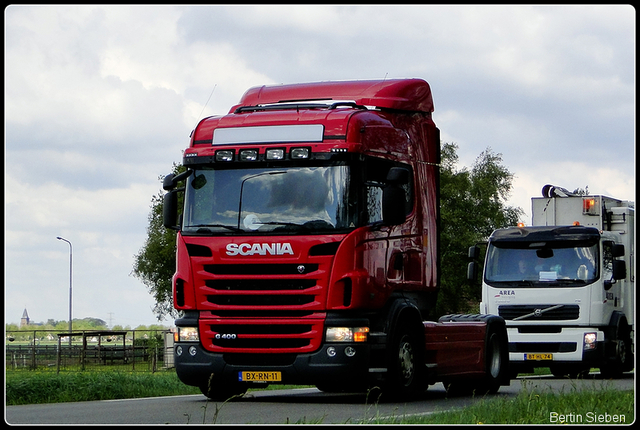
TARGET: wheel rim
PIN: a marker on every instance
(405, 357)
(622, 351)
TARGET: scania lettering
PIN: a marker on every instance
(307, 247)
(259, 249)
(565, 285)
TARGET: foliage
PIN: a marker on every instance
(87, 323)
(472, 205)
(155, 263)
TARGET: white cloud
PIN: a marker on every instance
(100, 100)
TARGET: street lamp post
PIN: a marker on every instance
(70, 282)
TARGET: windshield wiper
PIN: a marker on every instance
(564, 282)
(205, 228)
(285, 224)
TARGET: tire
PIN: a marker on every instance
(496, 357)
(620, 357)
(405, 369)
(219, 392)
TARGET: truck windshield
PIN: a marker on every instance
(546, 266)
(298, 200)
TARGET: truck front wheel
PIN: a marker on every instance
(219, 392)
(405, 369)
(619, 354)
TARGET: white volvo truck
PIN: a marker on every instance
(565, 285)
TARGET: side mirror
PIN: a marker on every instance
(171, 181)
(398, 176)
(617, 250)
(619, 269)
(168, 183)
(170, 210)
(474, 252)
(472, 271)
(394, 199)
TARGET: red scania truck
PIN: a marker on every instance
(307, 248)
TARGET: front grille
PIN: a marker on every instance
(259, 300)
(260, 269)
(262, 334)
(260, 284)
(262, 308)
(539, 312)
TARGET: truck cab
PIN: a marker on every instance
(565, 285)
(307, 249)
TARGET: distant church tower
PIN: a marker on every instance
(25, 318)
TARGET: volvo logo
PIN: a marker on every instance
(537, 312)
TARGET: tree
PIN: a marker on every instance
(472, 205)
(155, 263)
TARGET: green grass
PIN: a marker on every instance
(530, 406)
(25, 387)
(534, 407)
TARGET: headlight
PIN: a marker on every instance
(590, 340)
(188, 334)
(347, 334)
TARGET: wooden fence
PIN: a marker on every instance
(89, 350)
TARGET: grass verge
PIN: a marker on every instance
(598, 406)
(47, 387)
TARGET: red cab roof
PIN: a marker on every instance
(401, 94)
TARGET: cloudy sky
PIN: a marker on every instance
(100, 101)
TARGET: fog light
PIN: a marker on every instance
(590, 341)
(275, 154)
(178, 350)
(193, 350)
(249, 155)
(349, 351)
(224, 155)
(331, 351)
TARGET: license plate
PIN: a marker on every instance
(538, 357)
(259, 376)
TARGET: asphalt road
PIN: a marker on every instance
(303, 406)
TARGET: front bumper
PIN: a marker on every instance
(564, 345)
(194, 365)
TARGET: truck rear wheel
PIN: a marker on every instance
(496, 360)
(496, 357)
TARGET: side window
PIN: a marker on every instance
(375, 172)
(607, 260)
